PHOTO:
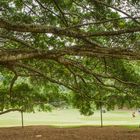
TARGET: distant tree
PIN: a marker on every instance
(87, 51)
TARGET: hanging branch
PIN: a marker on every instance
(11, 68)
(10, 110)
(12, 83)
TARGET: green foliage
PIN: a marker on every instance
(82, 81)
(85, 106)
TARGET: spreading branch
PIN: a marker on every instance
(34, 28)
(10, 110)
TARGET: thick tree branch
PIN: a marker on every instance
(19, 54)
(77, 50)
(34, 28)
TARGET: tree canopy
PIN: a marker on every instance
(87, 50)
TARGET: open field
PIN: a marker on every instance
(70, 117)
(68, 124)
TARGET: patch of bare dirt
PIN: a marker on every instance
(81, 133)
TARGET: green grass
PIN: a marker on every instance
(70, 117)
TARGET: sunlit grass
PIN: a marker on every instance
(70, 117)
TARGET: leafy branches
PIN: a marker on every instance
(71, 45)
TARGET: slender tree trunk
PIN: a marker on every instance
(101, 109)
(101, 114)
(22, 119)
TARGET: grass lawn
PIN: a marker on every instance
(70, 117)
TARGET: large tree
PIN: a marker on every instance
(89, 48)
